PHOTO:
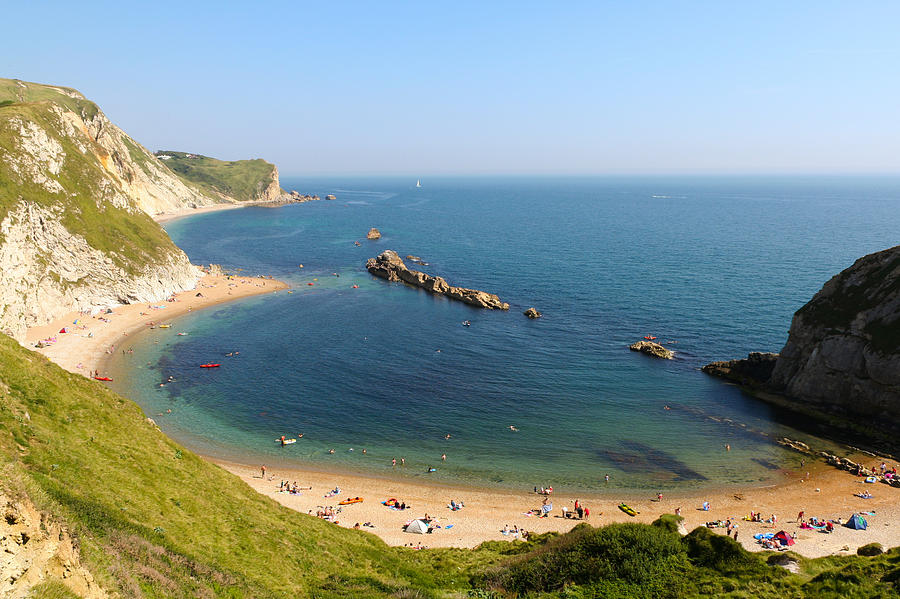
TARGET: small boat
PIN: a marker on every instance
(351, 500)
(467, 323)
(165, 326)
(649, 337)
(210, 365)
(102, 378)
(628, 510)
(356, 286)
(286, 441)
(310, 284)
(418, 183)
(182, 334)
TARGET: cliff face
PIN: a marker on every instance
(843, 350)
(74, 196)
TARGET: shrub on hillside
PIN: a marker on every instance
(627, 560)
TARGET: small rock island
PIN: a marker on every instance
(652, 349)
(532, 313)
(373, 234)
(388, 265)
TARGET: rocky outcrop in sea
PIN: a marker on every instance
(652, 349)
(373, 234)
(532, 313)
(388, 265)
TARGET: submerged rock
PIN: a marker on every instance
(373, 234)
(532, 313)
(388, 265)
(652, 349)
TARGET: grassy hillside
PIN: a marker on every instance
(11, 91)
(154, 520)
(242, 180)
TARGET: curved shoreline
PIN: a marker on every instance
(829, 494)
(90, 344)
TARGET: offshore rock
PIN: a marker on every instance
(373, 234)
(652, 349)
(388, 265)
(532, 313)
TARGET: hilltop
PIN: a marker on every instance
(240, 180)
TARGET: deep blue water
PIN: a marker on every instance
(716, 266)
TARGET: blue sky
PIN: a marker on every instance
(477, 87)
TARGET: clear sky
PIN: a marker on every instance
(457, 87)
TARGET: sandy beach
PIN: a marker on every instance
(90, 342)
(827, 493)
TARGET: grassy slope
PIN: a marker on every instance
(11, 91)
(239, 179)
(130, 238)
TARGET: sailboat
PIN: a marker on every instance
(418, 183)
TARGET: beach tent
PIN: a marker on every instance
(857, 522)
(64, 330)
(418, 527)
(783, 537)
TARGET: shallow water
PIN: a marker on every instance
(715, 267)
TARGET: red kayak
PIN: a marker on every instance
(102, 378)
(210, 365)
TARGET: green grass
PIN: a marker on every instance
(242, 180)
(16, 91)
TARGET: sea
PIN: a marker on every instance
(713, 267)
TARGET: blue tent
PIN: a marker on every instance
(857, 522)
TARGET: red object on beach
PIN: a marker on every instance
(210, 365)
(102, 378)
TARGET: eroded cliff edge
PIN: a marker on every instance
(842, 356)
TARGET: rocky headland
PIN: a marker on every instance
(652, 349)
(841, 361)
(388, 265)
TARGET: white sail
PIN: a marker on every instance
(418, 183)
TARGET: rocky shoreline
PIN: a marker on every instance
(388, 265)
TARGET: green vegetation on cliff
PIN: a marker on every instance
(153, 519)
(243, 180)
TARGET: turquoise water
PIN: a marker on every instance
(715, 265)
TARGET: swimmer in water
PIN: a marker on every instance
(513, 429)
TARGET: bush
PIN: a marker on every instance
(870, 550)
(627, 559)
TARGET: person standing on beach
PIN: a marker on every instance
(263, 468)
(443, 457)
